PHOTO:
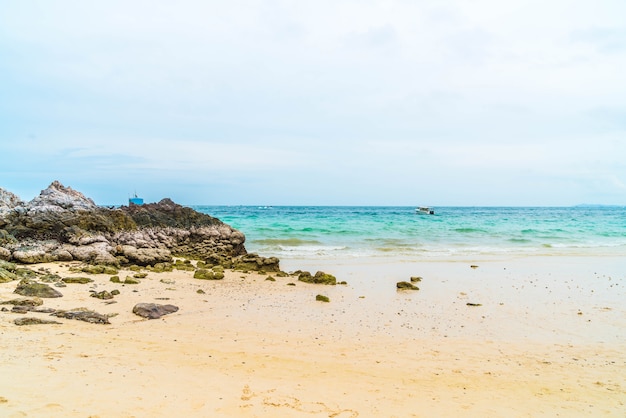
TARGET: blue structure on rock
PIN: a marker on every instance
(135, 200)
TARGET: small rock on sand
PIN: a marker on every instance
(153, 310)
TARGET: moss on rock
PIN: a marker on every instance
(184, 265)
(8, 266)
(79, 280)
(319, 278)
(206, 274)
(27, 287)
(50, 278)
(254, 262)
(23, 272)
(95, 269)
(161, 267)
(7, 276)
(104, 295)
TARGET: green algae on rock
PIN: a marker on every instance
(255, 262)
(322, 298)
(104, 295)
(184, 265)
(95, 269)
(28, 287)
(206, 274)
(79, 280)
(319, 278)
(7, 276)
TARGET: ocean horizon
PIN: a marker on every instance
(398, 233)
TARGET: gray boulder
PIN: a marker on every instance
(153, 310)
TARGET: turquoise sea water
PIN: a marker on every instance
(399, 233)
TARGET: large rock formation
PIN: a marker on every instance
(62, 224)
(8, 202)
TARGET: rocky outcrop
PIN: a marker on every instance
(62, 224)
(8, 202)
(57, 198)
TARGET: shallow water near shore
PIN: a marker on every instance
(539, 268)
(401, 234)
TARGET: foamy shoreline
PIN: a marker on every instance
(546, 340)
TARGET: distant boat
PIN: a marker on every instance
(425, 210)
(135, 200)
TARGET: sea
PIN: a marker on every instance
(398, 233)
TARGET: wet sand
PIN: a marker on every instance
(547, 339)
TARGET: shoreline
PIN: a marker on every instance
(546, 340)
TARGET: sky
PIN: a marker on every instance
(252, 102)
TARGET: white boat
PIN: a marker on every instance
(425, 210)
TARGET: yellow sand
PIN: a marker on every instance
(548, 340)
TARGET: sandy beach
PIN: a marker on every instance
(541, 336)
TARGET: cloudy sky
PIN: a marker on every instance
(396, 102)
